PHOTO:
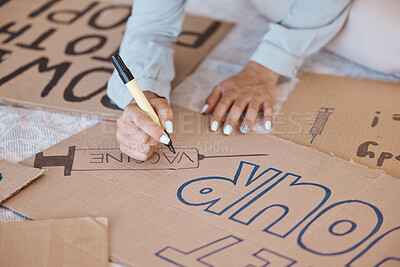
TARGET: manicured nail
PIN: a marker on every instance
(268, 126)
(204, 108)
(227, 129)
(165, 139)
(214, 126)
(244, 128)
(169, 126)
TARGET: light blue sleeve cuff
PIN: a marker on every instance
(157, 87)
(121, 96)
(147, 50)
(276, 59)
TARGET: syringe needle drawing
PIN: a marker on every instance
(112, 159)
(320, 121)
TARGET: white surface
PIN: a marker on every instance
(24, 132)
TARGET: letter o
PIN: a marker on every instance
(364, 219)
(71, 47)
(93, 22)
(69, 93)
(332, 228)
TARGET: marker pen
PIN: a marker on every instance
(137, 93)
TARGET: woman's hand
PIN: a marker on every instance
(249, 91)
(137, 134)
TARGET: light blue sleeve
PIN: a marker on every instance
(147, 50)
(309, 25)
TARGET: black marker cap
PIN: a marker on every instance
(122, 69)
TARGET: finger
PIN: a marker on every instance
(268, 115)
(212, 99)
(143, 121)
(127, 127)
(250, 117)
(164, 112)
(133, 153)
(219, 112)
(129, 141)
(234, 115)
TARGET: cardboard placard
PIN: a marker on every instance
(243, 200)
(55, 54)
(63, 242)
(14, 177)
(351, 118)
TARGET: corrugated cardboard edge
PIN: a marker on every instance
(96, 222)
(92, 220)
(381, 172)
(301, 74)
(307, 73)
(34, 178)
(22, 104)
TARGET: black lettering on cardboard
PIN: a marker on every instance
(2, 2)
(3, 54)
(95, 19)
(362, 150)
(376, 119)
(136, 161)
(108, 156)
(12, 34)
(100, 159)
(35, 45)
(201, 37)
(42, 63)
(106, 101)
(383, 156)
(187, 156)
(173, 158)
(71, 46)
(75, 14)
(157, 156)
(43, 8)
(51, 161)
(69, 91)
(396, 117)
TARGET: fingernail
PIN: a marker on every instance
(214, 126)
(165, 139)
(169, 126)
(244, 128)
(204, 108)
(268, 126)
(227, 129)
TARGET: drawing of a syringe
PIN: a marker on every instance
(320, 121)
(105, 159)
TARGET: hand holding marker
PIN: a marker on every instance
(139, 97)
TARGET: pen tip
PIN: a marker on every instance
(172, 149)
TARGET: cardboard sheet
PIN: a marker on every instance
(355, 119)
(243, 200)
(63, 242)
(55, 54)
(14, 177)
